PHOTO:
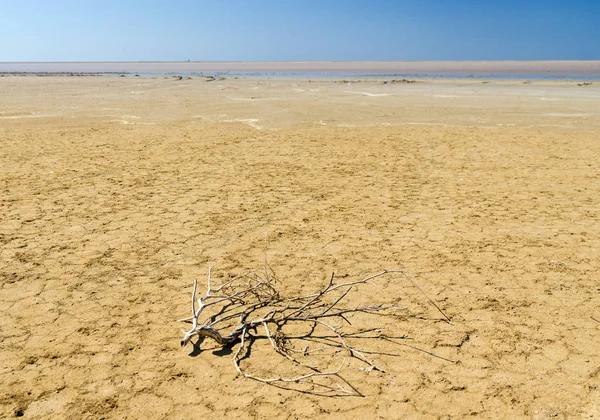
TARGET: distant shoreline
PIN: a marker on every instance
(481, 68)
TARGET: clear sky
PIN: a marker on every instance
(288, 30)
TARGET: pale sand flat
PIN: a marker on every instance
(488, 199)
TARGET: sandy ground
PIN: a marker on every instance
(115, 193)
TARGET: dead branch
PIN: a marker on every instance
(228, 313)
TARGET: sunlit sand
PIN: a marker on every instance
(117, 192)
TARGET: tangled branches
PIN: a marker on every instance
(291, 325)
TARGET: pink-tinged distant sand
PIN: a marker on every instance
(456, 67)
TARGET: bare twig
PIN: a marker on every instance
(254, 302)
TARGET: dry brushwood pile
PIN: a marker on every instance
(314, 332)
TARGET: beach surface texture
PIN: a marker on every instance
(117, 192)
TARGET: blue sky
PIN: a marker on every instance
(280, 30)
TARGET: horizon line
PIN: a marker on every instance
(298, 61)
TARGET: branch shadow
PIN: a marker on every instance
(196, 347)
(227, 350)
